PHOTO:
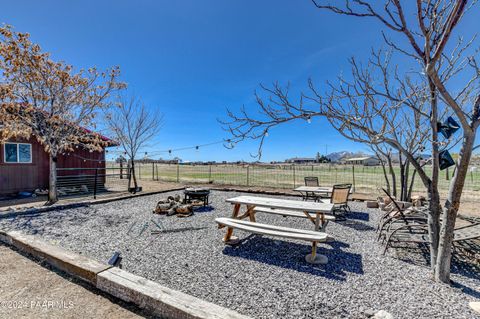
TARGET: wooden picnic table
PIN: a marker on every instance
(318, 209)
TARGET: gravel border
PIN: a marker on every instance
(262, 277)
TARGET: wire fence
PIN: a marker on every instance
(365, 179)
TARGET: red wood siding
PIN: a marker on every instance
(15, 177)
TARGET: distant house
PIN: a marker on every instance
(301, 160)
(365, 161)
(24, 164)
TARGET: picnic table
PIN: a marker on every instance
(314, 211)
(318, 191)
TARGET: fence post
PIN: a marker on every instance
(156, 167)
(95, 185)
(153, 171)
(209, 172)
(129, 175)
(248, 175)
(353, 176)
(178, 172)
(139, 171)
(294, 177)
(121, 170)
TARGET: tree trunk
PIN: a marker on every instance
(402, 179)
(412, 181)
(387, 180)
(450, 210)
(394, 178)
(433, 225)
(434, 196)
(135, 185)
(52, 181)
(406, 173)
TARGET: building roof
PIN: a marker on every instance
(360, 158)
(88, 132)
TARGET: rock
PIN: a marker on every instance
(369, 313)
(372, 204)
(382, 314)
(475, 305)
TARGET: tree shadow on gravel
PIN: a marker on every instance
(292, 256)
(357, 225)
(358, 216)
(419, 255)
(203, 209)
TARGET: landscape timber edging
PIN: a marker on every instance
(158, 299)
(146, 294)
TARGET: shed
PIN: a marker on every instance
(365, 161)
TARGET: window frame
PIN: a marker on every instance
(18, 153)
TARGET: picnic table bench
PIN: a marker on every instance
(314, 211)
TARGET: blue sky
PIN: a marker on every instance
(192, 59)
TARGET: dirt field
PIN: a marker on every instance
(30, 290)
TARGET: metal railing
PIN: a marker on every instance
(86, 181)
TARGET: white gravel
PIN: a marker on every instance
(262, 277)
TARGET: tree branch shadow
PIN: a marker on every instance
(289, 255)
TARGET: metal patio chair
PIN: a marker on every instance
(311, 181)
(399, 216)
(418, 233)
(339, 199)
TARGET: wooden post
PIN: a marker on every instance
(95, 185)
(156, 166)
(353, 176)
(121, 170)
(153, 171)
(178, 172)
(294, 177)
(248, 175)
(209, 172)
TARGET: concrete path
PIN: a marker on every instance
(30, 290)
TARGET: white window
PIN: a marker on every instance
(17, 153)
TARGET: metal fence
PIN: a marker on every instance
(91, 181)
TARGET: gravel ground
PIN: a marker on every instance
(262, 277)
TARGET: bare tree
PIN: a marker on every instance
(48, 100)
(363, 110)
(133, 126)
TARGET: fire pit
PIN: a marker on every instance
(196, 193)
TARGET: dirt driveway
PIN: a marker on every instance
(30, 290)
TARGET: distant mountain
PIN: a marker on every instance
(338, 156)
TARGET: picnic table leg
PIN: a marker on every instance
(320, 222)
(251, 213)
(229, 239)
(315, 258)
